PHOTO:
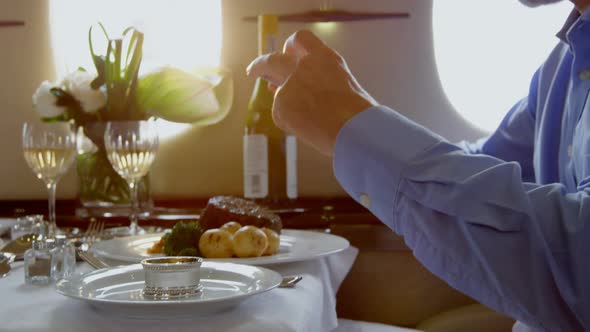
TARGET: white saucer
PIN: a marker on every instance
(118, 290)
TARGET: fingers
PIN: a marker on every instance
(304, 42)
(275, 67)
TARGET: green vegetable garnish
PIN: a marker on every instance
(189, 252)
(183, 240)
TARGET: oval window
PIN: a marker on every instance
(487, 52)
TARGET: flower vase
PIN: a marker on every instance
(102, 191)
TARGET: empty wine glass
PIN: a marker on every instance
(131, 148)
(49, 149)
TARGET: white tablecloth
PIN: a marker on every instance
(309, 307)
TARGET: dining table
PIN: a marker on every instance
(310, 306)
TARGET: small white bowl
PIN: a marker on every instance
(171, 277)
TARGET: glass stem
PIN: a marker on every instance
(52, 226)
(133, 190)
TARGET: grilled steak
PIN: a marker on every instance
(221, 209)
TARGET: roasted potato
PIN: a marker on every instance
(216, 243)
(231, 226)
(274, 241)
(249, 241)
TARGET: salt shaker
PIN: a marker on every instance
(63, 258)
(38, 262)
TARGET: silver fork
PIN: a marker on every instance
(89, 258)
(92, 234)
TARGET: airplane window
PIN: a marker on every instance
(487, 52)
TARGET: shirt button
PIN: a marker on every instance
(365, 201)
(584, 75)
(570, 151)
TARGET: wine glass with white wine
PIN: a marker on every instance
(49, 149)
(131, 148)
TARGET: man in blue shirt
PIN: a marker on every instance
(503, 220)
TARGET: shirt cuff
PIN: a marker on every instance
(372, 150)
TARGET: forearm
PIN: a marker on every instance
(470, 219)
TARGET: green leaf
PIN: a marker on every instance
(203, 97)
(135, 50)
(100, 78)
(98, 60)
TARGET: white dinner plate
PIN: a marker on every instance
(6, 224)
(296, 245)
(118, 290)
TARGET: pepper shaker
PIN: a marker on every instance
(63, 258)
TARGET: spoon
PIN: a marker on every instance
(19, 245)
(290, 281)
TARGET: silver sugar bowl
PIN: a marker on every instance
(171, 277)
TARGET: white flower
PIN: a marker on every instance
(77, 84)
(44, 101)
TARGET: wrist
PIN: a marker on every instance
(353, 107)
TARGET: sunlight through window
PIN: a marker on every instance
(487, 52)
(181, 33)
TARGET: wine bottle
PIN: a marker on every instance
(270, 156)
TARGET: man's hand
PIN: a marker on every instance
(315, 92)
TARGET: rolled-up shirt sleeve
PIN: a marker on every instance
(518, 247)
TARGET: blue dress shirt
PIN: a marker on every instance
(503, 220)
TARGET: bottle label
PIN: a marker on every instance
(255, 166)
(291, 147)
